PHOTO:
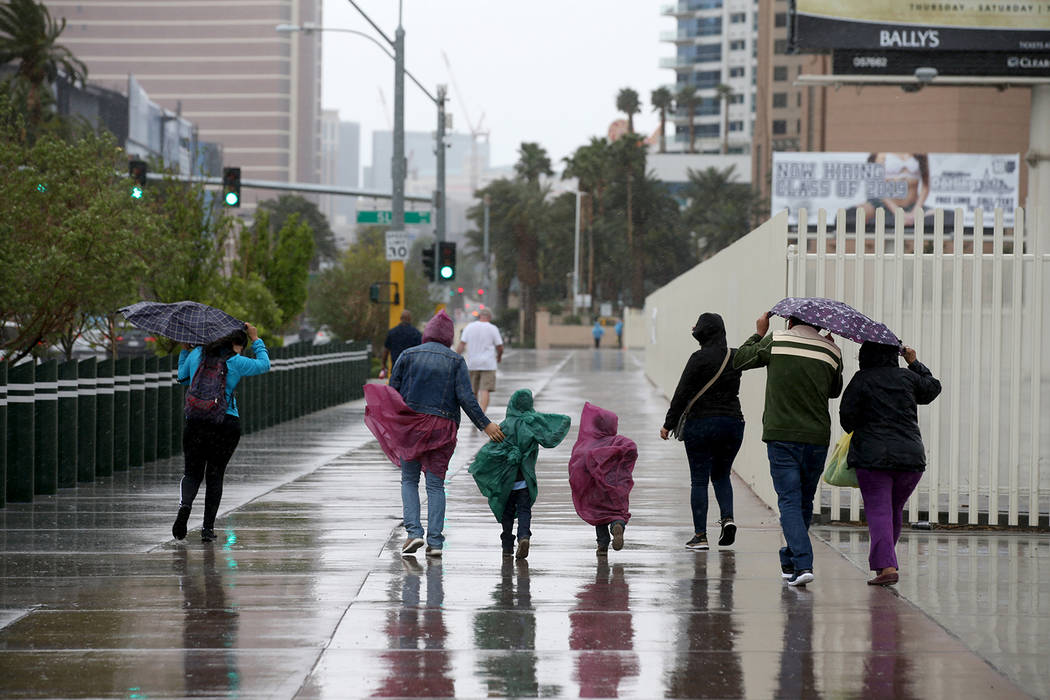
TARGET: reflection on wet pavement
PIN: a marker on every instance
(305, 594)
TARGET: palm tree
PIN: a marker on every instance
(629, 155)
(720, 209)
(533, 161)
(591, 166)
(724, 94)
(687, 99)
(627, 102)
(663, 101)
(28, 34)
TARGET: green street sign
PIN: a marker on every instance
(387, 217)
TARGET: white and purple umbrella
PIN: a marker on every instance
(836, 316)
(183, 321)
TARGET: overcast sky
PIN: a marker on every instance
(545, 70)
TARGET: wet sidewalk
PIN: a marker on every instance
(305, 594)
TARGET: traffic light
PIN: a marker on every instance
(137, 173)
(446, 261)
(481, 292)
(231, 187)
(428, 262)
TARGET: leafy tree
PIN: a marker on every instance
(592, 167)
(71, 242)
(720, 210)
(287, 205)
(29, 35)
(662, 101)
(288, 269)
(627, 102)
(725, 93)
(628, 153)
(686, 99)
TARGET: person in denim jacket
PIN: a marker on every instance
(416, 419)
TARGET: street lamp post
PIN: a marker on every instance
(576, 259)
(485, 238)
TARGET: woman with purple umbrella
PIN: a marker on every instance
(879, 406)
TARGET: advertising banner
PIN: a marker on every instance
(900, 183)
(928, 25)
(1011, 64)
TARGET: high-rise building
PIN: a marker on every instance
(340, 163)
(420, 157)
(221, 65)
(715, 45)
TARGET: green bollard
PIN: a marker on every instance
(284, 406)
(270, 382)
(164, 407)
(86, 420)
(300, 379)
(149, 433)
(21, 435)
(104, 419)
(121, 413)
(3, 434)
(137, 412)
(178, 398)
(68, 427)
(280, 396)
(45, 419)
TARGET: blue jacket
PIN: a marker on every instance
(433, 379)
(237, 366)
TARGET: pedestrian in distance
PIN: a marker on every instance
(619, 333)
(212, 429)
(705, 414)
(505, 472)
(484, 347)
(601, 471)
(597, 332)
(398, 339)
(416, 419)
(803, 372)
(880, 408)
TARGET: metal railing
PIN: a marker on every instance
(63, 424)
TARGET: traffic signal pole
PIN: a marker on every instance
(397, 170)
(439, 151)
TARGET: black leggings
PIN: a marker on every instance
(207, 448)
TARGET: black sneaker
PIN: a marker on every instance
(523, 549)
(801, 578)
(207, 534)
(602, 550)
(178, 529)
(698, 542)
(787, 572)
(728, 534)
(508, 553)
(617, 536)
(411, 545)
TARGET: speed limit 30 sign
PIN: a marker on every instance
(398, 244)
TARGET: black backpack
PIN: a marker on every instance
(206, 397)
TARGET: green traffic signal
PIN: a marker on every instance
(41, 187)
(447, 272)
(136, 192)
(232, 199)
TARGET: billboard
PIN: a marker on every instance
(1009, 64)
(900, 183)
(958, 25)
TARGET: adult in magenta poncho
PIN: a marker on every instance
(416, 419)
(600, 471)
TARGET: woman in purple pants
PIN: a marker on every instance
(880, 408)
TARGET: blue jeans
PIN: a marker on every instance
(435, 504)
(796, 468)
(711, 445)
(520, 504)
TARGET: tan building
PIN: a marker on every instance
(853, 118)
(255, 91)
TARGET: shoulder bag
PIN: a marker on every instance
(678, 429)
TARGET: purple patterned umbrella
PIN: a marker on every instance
(184, 321)
(836, 316)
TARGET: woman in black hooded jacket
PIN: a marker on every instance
(880, 408)
(714, 426)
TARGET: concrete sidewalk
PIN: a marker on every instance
(305, 594)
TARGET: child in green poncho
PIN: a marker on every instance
(505, 472)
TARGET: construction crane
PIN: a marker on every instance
(476, 131)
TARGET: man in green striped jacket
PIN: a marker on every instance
(803, 372)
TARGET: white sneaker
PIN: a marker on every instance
(801, 578)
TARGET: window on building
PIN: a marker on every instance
(738, 17)
(707, 52)
(708, 26)
(736, 72)
(705, 79)
(780, 46)
(780, 99)
(736, 99)
(706, 130)
(736, 126)
(780, 73)
(780, 19)
(704, 4)
(780, 126)
(737, 45)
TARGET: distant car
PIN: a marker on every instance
(323, 336)
(133, 342)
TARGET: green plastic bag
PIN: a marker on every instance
(838, 473)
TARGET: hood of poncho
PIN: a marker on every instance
(710, 330)
(874, 355)
(440, 329)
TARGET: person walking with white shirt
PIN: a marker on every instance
(484, 349)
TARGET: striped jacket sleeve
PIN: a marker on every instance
(753, 353)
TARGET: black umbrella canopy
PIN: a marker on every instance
(183, 321)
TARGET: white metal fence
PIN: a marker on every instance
(974, 306)
(972, 303)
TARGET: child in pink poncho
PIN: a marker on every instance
(416, 419)
(600, 471)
